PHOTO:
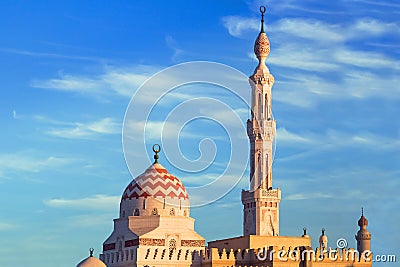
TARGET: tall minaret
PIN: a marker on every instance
(261, 202)
(363, 236)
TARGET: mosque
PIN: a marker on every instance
(154, 228)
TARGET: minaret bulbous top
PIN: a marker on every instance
(362, 222)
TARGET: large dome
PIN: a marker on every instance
(156, 182)
(155, 192)
(91, 262)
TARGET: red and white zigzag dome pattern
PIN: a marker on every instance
(155, 182)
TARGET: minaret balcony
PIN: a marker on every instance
(265, 194)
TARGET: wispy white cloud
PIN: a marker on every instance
(304, 58)
(283, 135)
(238, 25)
(312, 29)
(91, 220)
(349, 194)
(113, 81)
(4, 226)
(355, 84)
(48, 55)
(333, 139)
(330, 49)
(366, 27)
(28, 162)
(69, 83)
(96, 202)
(88, 130)
(311, 195)
(153, 129)
(363, 59)
(309, 29)
(172, 44)
(380, 3)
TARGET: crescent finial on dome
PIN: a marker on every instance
(156, 151)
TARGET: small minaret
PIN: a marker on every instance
(363, 236)
(261, 201)
(323, 241)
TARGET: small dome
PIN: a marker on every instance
(362, 221)
(156, 181)
(91, 261)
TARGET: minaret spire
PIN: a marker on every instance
(262, 10)
(261, 201)
(261, 45)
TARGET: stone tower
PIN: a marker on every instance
(261, 201)
(363, 236)
(323, 241)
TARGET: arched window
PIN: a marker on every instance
(144, 203)
(155, 211)
(172, 244)
(184, 213)
(136, 212)
(172, 212)
(260, 108)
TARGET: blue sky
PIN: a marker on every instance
(68, 71)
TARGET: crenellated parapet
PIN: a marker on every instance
(262, 77)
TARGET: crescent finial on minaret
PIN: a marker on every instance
(262, 10)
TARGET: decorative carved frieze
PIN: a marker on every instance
(131, 243)
(110, 246)
(262, 46)
(151, 242)
(192, 243)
